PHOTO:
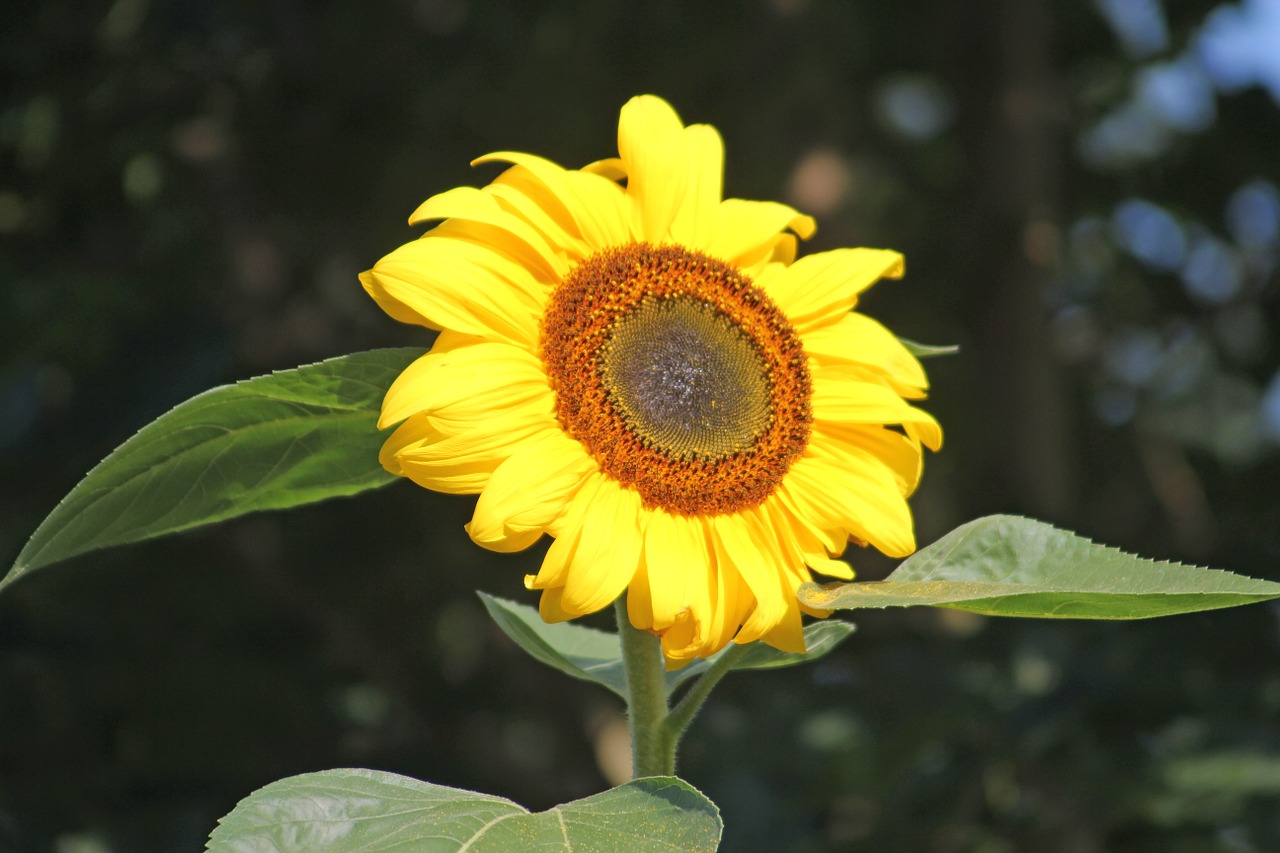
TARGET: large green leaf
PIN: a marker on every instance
(362, 811)
(1007, 566)
(595, 655)
(277, 441)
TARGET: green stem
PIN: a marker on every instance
(674, 724)
(647, 689)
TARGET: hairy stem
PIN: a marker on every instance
(674, 724)
(647, 705)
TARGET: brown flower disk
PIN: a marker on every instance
(708, 419)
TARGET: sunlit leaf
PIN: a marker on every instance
(1007, 566)
(362, 811)
(290, 438)
(595, 655)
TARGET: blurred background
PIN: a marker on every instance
(1087, 196)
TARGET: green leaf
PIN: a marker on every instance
(362, 811)
(575, 650)
(294, 437)
(920, 350)
(1008, 566)
(820, 638)
(595, 655)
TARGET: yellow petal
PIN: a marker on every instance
(518, 194)
(901, 454)
(713, 617)
(750, 553)
(747, 231)
(490, 223)
(399, 402)
(610, 168)
(857, 339)
(863, 500)
(639, 602)
(783, 251)
(803, 546)
(819, 289)
(412, 433)
(528, 491)
(681, 641)
(597, 207)
(608, 550)
(551, 608)
(838, 569)
(654, 153)
(401, 399)
(697, 219)
(555, 565)
(788, 634)
(865, 448)
(844, 402)
(455, 284)
(675, 553)
(467, 383)
(387, 301)
(852, 372)
(457, 464)
(730, 602)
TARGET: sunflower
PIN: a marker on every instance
(642, 369)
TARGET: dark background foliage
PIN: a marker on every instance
(1086, 195)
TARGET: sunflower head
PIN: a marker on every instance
(642, 369)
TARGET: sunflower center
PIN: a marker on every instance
(680, 376)
(686, 379)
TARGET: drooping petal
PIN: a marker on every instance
(555, 565)
(832, 568)
(731, 599)
(674, 553)
(640, 600)
(788, 633)
(528, 491)
(819, 289)
(802, 544)
(682, 640)
(750, 554)
(863, 500)
(607, 551)
(550, 606)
